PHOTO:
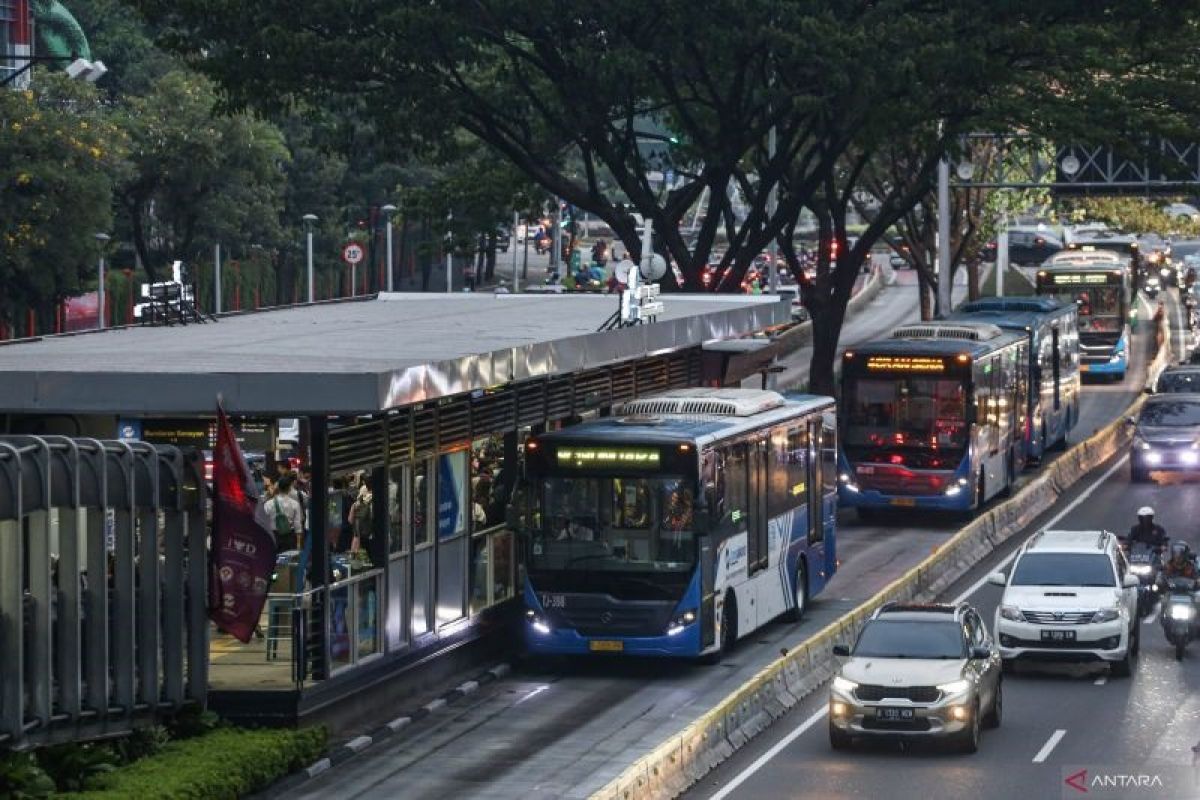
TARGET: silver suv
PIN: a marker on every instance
(918, 671)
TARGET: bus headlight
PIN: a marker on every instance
(953, 490)
(680, 622)
(537, 623)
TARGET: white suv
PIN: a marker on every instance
(1070, 597)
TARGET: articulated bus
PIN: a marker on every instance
(933, 418)
(686, 521)
(1052, 329)
(1100, 291)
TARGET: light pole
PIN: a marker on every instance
(217, 276)
(449, 252)
(512, 243)
(102, 240)
(309, 219)
(389, 209)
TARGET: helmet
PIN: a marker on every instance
(1145, 511)
(1179, 549)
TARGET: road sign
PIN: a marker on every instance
(353, 253)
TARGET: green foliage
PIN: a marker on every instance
(225, 763)
(1131, 215)
(141, 743)
(193, 721)
(21, 777)
(58, 157)
(72, 766)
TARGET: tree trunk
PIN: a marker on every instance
(924, 296)
(973, 279)
(827, 319)
(490, 255)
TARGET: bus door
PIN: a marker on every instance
(1056, 338)
(757, 531)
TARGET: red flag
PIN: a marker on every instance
(243, 551)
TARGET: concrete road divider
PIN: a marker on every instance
(688, 755)
(799, 335)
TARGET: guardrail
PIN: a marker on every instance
(688, 755)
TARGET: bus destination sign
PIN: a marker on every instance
(1079, 278)
(906, 364)
(601, 457)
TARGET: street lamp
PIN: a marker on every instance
(389, 209)
(102, 240)
(309, 219)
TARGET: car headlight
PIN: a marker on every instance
(1141, 444)
(1011, 613)
(680, 622)
(536, 622)
(1182, 611)
(1106, 615)
(1141, 569)
(955, 687)
(1164, 272)
(1153, 458)
(1189, 457)
(844, 685)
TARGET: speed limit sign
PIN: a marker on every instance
(352, 253)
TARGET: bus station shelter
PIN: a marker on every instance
(412, 412)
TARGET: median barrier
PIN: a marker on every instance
(685, 757)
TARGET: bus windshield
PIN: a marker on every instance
(907, 412)
(615, 524)
(1100, 307)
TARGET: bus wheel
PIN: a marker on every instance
(800, 594)
(727, 632)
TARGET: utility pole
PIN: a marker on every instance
(512, 243)
(1001, 254)
(389, 209)
(945, 286)
(217, 276)
(449, 252)
(309, 219)
(102, 239)
(556, 239)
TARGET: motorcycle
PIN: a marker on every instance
(1179, 614)
(1145, 561)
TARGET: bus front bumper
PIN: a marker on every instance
(542, 639)
(1104, 368)
(851, 497)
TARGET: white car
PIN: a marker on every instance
(1069, 597)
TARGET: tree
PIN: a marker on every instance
(58, 157)
(196, 178)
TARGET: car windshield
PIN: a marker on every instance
(1184, 249)
(638, 524)
(1181, 414)
(1183, 381)
(1063, 569)
(883, 638)
(907, 412)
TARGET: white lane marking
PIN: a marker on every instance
(759, 762)
(1049, 524)
(1151, 617)
(1054, 739)
(1103, 679)
(531, 695)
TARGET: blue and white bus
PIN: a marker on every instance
(1101, 293)
(686, 521)
(1052, 329)
(933, 418)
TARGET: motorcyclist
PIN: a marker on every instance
(1146, 530)
(1181, 564)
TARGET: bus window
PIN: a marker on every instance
(905, 411)
(1057, 356)
(737, 495)
(787, 470)
(829, 467)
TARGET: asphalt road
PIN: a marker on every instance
(561, 729)
(1057, 718)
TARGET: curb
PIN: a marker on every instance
(353, 747)
(685, 757)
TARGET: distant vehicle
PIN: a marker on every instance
(1026, 247)
(1052, 328)
(1156, 252)
(681, 524)
(918, 671)
(1101, 291)
(1181, 379)
(1165, 434)
(1120, 244)
(933, 418)
(1183, 211)
(1070, 597)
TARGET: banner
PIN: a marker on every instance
(243, 550)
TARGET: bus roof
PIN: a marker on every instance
(940, 347)
(669, 428)
(1014, 313)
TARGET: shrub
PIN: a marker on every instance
(72, 766)
(225, 763)
(192, 721)
(141, 743)
(21, 778)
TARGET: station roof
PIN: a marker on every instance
(353, 357)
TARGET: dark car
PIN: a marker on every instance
(1166, 436)
(1026, 247)
(1173, 380)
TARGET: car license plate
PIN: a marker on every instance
(904, 502)
(606, 646)
(1058, 636)
(901, 714)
